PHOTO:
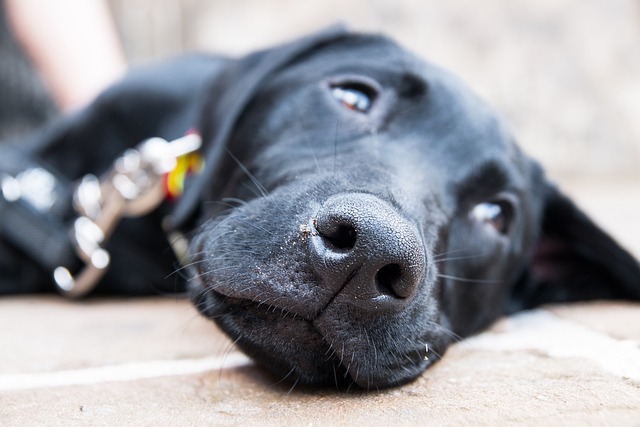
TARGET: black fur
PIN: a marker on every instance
(334, 245)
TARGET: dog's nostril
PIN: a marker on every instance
(388, 280)
(338, 236)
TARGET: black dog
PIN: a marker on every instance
(360, 209)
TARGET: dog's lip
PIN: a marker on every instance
(199, 288)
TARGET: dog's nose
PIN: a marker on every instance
(367, 251)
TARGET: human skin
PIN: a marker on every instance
(73, 43)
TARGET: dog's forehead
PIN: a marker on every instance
(450, 123)
(374, 55)
(449, 109)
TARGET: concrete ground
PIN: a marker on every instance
(154, 361)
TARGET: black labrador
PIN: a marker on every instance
(360, 209)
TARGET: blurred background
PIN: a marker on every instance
(564, 73)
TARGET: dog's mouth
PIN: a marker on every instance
(339, 295)
(287, 345)
(328, 350)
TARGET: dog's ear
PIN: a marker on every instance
(574, 259)
(232, 92)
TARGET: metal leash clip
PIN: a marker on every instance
(133, 187)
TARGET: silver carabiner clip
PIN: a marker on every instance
(132, 188)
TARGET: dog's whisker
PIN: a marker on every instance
(213, 271)
(307, 139)
(449, 253)
(232, 202)
(182, 270)
(204, 255)
(331, 351)
(226, 356)
(212, 226)
(438, 355)
(335, 376)
(355, 378)
(467, 280)
(460, 258)
(446, 331)
(293, 386)
(284, 378)
(372, 345)
(252, 224)
(341, 354)
(194, 261)
(375, 352)
(351, 384)
(418, 354)
(346, 374)
(210, 272)
(406, 356)
(263, 191)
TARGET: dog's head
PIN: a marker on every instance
(362, 209)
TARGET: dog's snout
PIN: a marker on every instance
(367, 250)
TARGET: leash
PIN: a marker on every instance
(64, 226)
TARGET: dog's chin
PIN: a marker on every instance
(324, 351)
(286, 345)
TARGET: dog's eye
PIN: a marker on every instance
(497, 215)
(355, 96)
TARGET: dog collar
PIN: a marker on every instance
(174, 180)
